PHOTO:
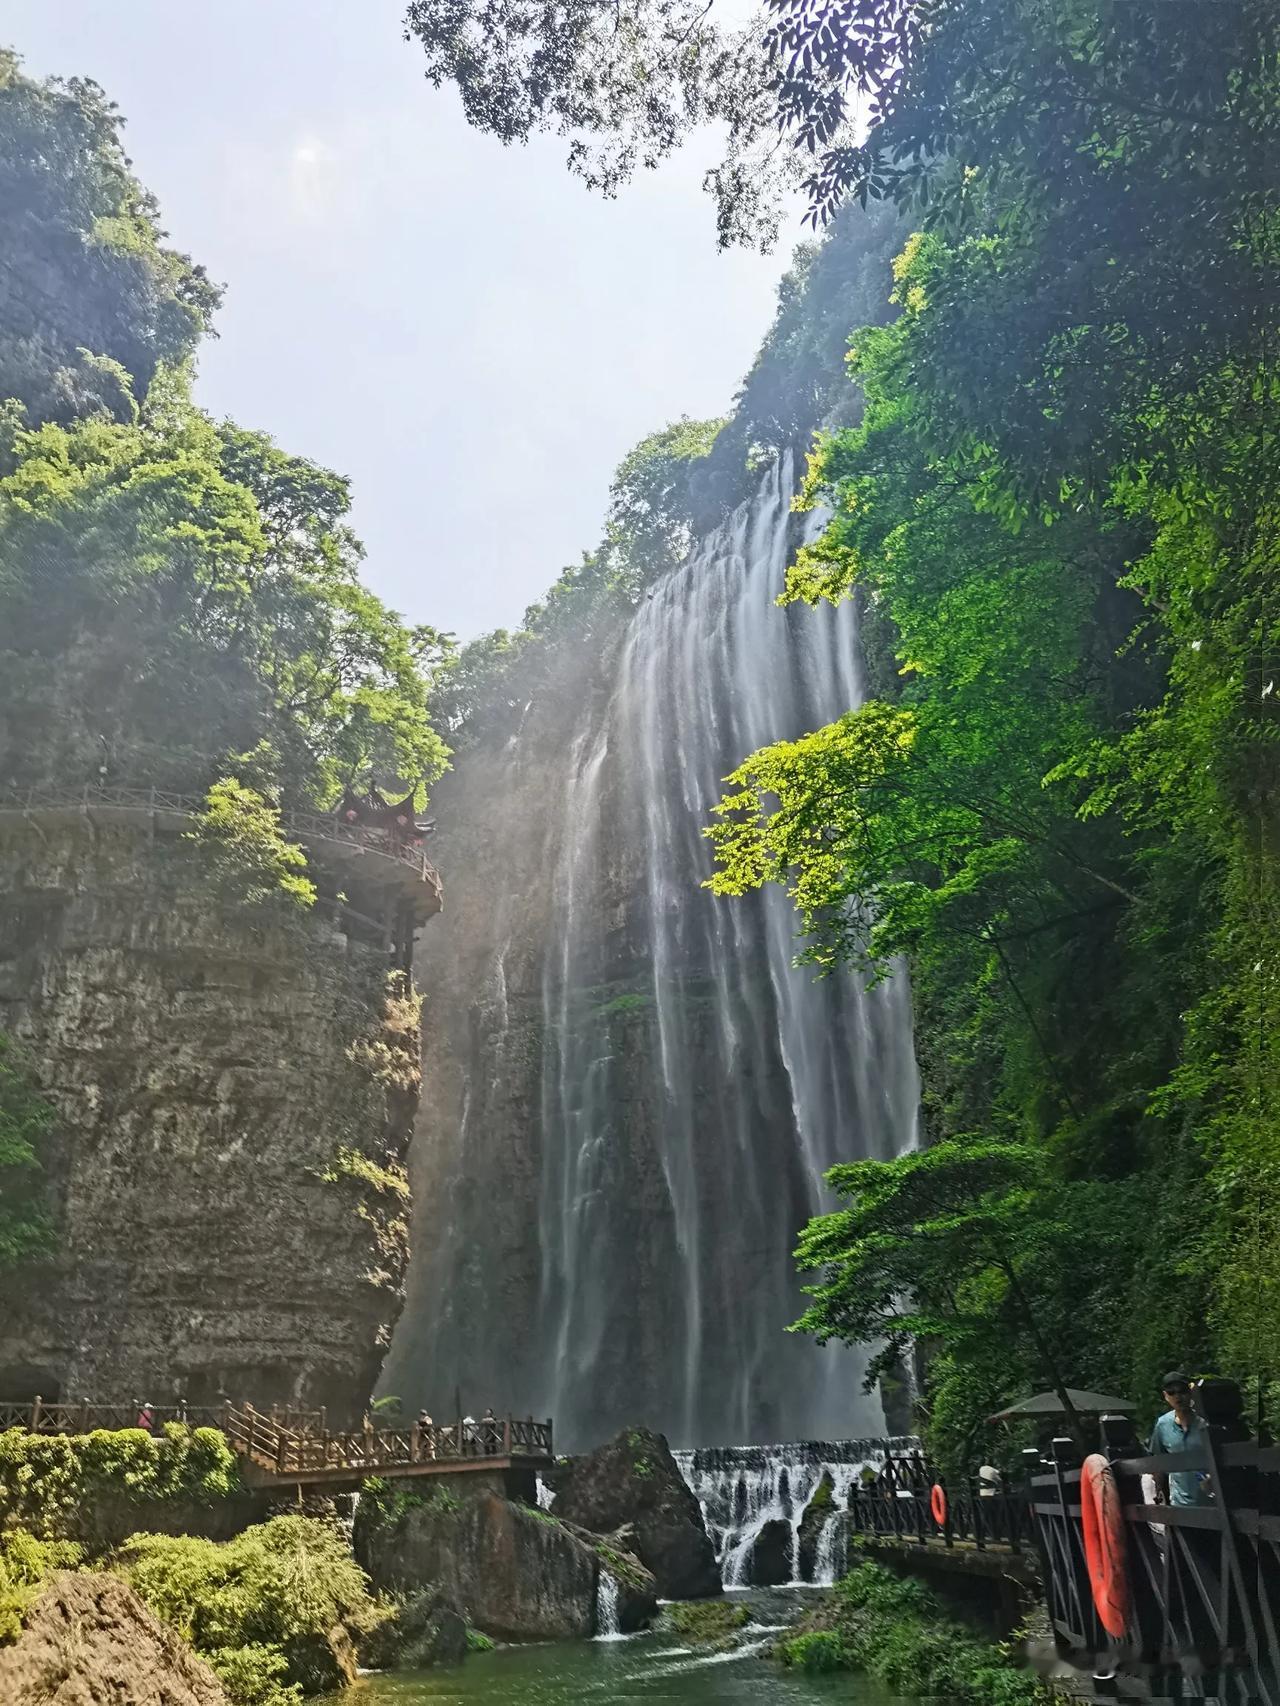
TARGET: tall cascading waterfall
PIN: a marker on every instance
(666, 1288)
(634, 1092)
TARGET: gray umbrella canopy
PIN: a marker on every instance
(1049, 1404)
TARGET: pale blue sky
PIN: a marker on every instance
(464, 330)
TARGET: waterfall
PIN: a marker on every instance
(652, 1090)
(832, 1553)
(696, 1083)
(743, 1489)
(607, 1624)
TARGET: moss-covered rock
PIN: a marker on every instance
(710, 1622)
(633, 1482)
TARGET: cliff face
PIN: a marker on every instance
(234, 1090)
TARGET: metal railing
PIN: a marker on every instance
(900, 1505)
(307, 827)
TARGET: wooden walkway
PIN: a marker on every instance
(297, 1448)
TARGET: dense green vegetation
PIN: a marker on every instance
(25, 1561)
(259, 1608)
(1059, 514)
(180, 601)
(55, 1484)
(897, 1630)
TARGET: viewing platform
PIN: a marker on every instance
(296, 1448)
(391, 888)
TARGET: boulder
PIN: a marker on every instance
(427, 1629)
(90, 1641)
(821, 1506)
(770, 1563)
(515, 1572)
(322, 1663)
(633, 1481)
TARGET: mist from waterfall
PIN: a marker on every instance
(695, 1083)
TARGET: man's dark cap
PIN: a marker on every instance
(1174, 1379)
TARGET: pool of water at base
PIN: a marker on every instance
(649, 1667)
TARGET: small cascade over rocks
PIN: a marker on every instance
(608, 1624)
(751, 1494)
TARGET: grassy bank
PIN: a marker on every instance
(899, 1632)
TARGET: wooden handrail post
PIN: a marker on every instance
(506, 1437)
(35, 1414)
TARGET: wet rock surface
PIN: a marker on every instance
(516, 1573)
(635, 1481)
(818, 1511)
(427, 1629)
(771, 1557)
(90, 1641)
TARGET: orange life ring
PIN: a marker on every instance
(938, 1504)
(1105, 1542)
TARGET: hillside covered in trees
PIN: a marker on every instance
(1058, 516)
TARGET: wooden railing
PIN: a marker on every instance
(305, 826)
(900, 1506)
(287, 1441)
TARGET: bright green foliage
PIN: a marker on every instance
(242, 1603)
(971, 1249)
(897, 1630)
(1058, 518)
(26, 1231)
(24, 1564)
(91, 301)
(244, 850)
(649, 527)
(180, 599)
(254, 1675)
(477, 1641)
(50, 1482)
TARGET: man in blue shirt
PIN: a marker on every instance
(1179, 1429)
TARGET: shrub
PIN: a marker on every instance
(50, 1483)
(819, 1650)
(477, 1642)
(897, 1630)
(254, 1676)
(272, 1587)
(24, 1563)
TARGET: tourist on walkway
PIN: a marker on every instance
(426, 1435)
(1178, 1430)
(490, 1434)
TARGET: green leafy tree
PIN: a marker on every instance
(177, 596)
(91, 300)
(970, 1249)
(26, 1229)
(245, 851)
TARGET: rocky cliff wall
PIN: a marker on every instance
(234, 1089)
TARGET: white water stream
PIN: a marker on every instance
(697, 1083)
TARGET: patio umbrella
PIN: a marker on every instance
(1049, 1404)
